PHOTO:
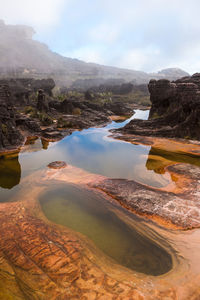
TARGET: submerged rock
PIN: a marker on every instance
(57, 164)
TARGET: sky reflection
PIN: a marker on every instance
(92, 150)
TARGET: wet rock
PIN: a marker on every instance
(180, 209)
(42, 261)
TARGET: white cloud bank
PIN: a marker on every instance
(41, 14)
(140, 34)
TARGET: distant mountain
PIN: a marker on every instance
(22, 56)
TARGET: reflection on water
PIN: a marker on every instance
(93, 151)
(159, 158)
(45, 144)
(10, 175)
(10, 171)
(35, 144)
(88, 213)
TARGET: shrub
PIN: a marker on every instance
(4, 129)
(45, 119)
(29, 109)
(76, 111)
(34, 113)
(64, 123)
(61, 97)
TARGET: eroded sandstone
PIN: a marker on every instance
(42, 260)
(174, 112)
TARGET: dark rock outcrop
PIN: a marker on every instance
(17, 93)
(175, 110)
(42, 104)
(118, 108)
(27, 123)
(9, 135)
(21, 89)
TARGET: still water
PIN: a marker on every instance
(91, 150)
(86, 212)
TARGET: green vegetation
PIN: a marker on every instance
(29, 109)
(75, 94)
(139, 97)
(34, 114)
(61, 97)
(62, 123)
(76, 111)
(45, 119)
(155, 116)
(4, 129)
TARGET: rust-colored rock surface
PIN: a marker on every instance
(42, 260)
(177, 204)
(39, 261)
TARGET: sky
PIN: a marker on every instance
(145, 35)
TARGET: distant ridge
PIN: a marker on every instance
(21, 56)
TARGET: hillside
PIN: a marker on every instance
(22, 56)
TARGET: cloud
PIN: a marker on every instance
(138, 58)
(87, 54)
(104, 33)
(140, 34)
(41, 14)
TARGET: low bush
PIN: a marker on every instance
(45, 119)
(76, 111)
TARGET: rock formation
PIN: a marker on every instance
(9, 135)
(29, 109)
(42, 104)
(17, 93)
(175, 110)
(22, 88)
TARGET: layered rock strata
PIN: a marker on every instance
(9, 135)
(175, 110)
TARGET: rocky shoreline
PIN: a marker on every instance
(40, 259)
(175, 110)
(29, 109)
